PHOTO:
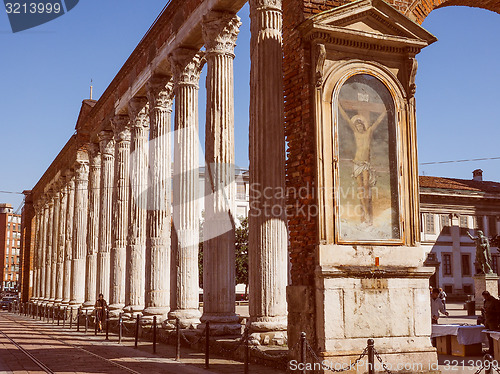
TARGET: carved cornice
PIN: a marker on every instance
(106, 143)
(220, 31)
(160, 93)
(186, 66)
(138, 110)
(121, 128)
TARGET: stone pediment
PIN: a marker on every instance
(371, 21)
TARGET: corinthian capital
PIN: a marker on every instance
(160, 93)
(82, 170)
(266, 4)
(106, 143)
(220, 30)
(186, 66)
(95, 155)
(121, 127)
(138, 111)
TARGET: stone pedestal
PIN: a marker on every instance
(484, 282)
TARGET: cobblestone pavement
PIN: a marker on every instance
(24, 341)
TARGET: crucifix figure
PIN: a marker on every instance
(363, 171)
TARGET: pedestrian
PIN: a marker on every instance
(100, 311)
(442, 296)
(491, 311)
(436, 307)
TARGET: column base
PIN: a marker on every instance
(115, 310)
(221, 324)
(131, 311)
(160, 313)
(65, 302)
(188, 318)
(88, 305)
(75, 304)
(58, 302)
(268, 330)
(484, 282)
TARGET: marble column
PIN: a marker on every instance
(36, 254)
(48, 250)
(186, 66)
(121, 194)
(220, 30)
(55, 243)
(160, 95)
(136, 247)
(268, 239)
(107, 145)
(80, 233)
(63, 206)
(68, 248)
(93, 225)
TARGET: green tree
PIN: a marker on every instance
(242, 254)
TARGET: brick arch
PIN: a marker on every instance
(420, 9)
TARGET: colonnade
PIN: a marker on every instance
(117, 223)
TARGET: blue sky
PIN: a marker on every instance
(47, 72)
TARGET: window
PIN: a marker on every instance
(447, 264)
(368, 194)
(492, 225)
(468, 289)
(494, 265)
(464, 226)
(466, 265)
(429, 223)
(479, 223)
(448, 289)
(445, 224)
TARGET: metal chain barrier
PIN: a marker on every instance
(196, 341)
(380, 360)
(350, 367)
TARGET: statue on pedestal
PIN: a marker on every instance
(483, 255)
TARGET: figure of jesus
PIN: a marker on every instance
(363, 172)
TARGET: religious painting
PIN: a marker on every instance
(368, 194)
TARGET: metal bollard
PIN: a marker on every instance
(303, 348)
(136, 331)
(247, 351)
(154, 334)
(120, 328)
(39, 312)
(488, 367)
(64, 316)
(178, 345)
(58, 315)
(53, 314)
(78, 320)
(86, 320)
(107, 325)
(207, 345)
(371, 356)
(96, 322)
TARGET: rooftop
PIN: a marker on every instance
(459, 184)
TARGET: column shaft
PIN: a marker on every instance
(63, 206)
(36, 255)
(220, 30)
(80, 234)
(186, 65)
(105, 212)
(160, 92)
(136, 250)
(48, 250)
(268, 256)
(55, 244)
(68, 249)
(121, 195)
(93, 226)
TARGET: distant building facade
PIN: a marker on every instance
(10, 247)
(449, 208)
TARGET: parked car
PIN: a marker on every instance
(6, 301)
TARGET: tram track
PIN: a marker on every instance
(44, 367)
